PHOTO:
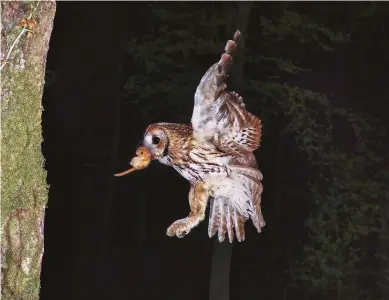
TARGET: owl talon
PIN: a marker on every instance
(179, 228)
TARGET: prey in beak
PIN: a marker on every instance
(139, 162)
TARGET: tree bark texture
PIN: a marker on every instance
(383, 251)
(23, 178)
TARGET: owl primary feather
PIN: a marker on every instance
(215, 154)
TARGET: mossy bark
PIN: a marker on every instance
(23, 178)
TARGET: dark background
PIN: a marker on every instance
(105, 237)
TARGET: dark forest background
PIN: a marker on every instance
(314, 72)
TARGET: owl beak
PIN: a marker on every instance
(139, 162)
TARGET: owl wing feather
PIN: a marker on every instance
(220, 116)
(252, 181)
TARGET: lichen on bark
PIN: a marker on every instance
(23, 178)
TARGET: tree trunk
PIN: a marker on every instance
(383, 251)
(222, 253)
(23, 178)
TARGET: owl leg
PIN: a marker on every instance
(198, 198)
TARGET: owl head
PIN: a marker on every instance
(156, 140)
(154, 145)
(159, 140)
(164, 138)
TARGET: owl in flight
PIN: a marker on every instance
(215, 154)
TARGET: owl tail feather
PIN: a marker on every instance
(223, 218)
(257, 218)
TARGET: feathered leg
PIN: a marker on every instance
(198, 198)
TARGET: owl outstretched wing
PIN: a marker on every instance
(220, 116)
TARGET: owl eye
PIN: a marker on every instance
(155, 140)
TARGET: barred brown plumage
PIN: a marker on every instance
(214, 153)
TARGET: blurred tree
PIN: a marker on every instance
(222, 252)
(383, 250)
(26, 29)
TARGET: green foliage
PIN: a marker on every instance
(347, 206)
(344, 191)
(163, 55)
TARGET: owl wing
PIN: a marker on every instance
(220, 116)
(237, 200)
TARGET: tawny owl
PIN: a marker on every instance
(214, 153)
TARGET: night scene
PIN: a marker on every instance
(194, 150)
